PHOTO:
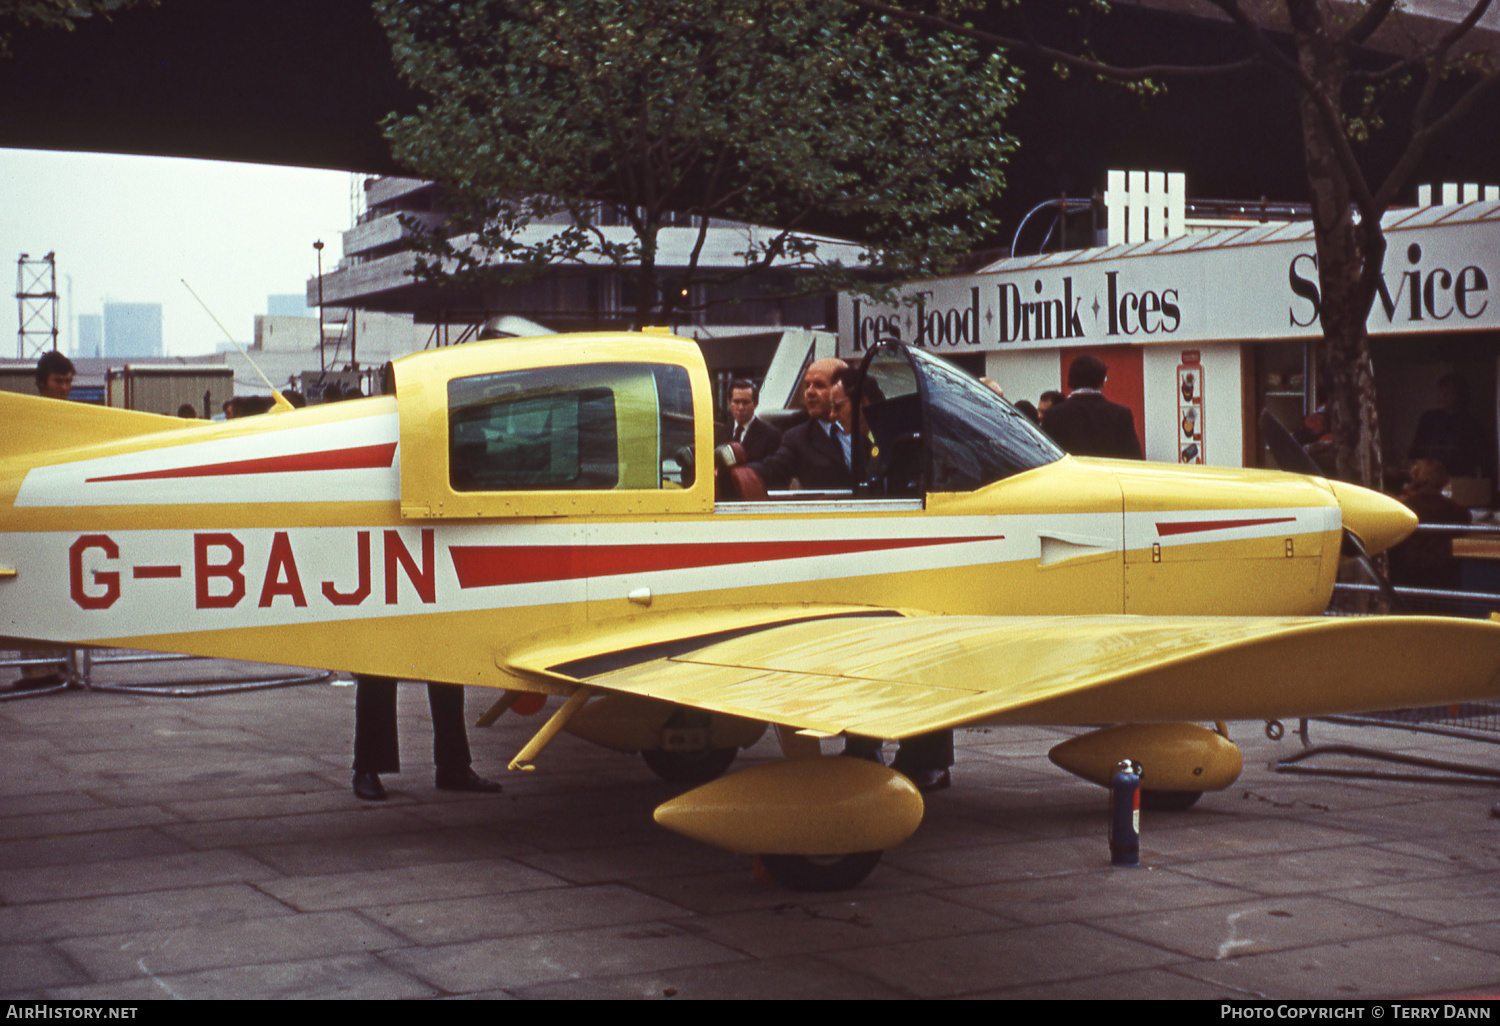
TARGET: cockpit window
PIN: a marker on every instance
(598, 426)
(934, 428)
(975, 437)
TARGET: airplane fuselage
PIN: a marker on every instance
(317, 536)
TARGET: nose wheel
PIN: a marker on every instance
(689, 767)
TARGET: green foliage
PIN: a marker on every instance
(63, 14)
(770, 112)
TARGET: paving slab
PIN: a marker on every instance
(849, 923)
(799, 978)
(983, 962)
(511, 913)
(1213, 933)
(1094, 894)
(1402, 965)
(430, 881)
(342, 977)
(200, 944)
(55, 882)
(527, 960)
(154, 847)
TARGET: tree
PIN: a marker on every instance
(63, 14)
(1347, 95)
(786, 113)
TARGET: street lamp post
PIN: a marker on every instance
(322, 365)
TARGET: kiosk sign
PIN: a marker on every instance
(1250, 284)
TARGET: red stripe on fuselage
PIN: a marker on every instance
(1163, 530)
(486, 566)
(364, 457)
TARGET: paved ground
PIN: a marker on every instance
(156, 847)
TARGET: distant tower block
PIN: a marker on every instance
(36, 302)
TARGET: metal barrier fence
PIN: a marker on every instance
(76, 669)
(1473, 721)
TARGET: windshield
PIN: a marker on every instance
(975, 437)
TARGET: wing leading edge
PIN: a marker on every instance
(894, 677)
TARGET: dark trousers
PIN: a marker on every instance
(376, 749)
(916, 753)
(925, 752)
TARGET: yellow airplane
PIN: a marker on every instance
(540, 516)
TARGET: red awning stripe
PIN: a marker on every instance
(487, 566)
(364, 457)
(1191, 527)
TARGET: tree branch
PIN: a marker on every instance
(1424, 56)
(1063, 57)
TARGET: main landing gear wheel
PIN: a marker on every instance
(693, 768)
(820, 872)
(1169, 801)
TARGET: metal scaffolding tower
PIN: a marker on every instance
(36, 301)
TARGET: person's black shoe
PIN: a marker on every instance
(465, 780)
(930, 780)
(367, 786)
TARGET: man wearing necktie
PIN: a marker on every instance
(758, 438)
(809, 454)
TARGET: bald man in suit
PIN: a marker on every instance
(811, 454)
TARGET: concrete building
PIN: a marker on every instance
(743, 326)
(289, 305)
(90, 338)
(376, 274)
(356, 344)
(132, 329)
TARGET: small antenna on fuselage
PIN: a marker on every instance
(281, 402)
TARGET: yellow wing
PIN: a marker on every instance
(891, 676)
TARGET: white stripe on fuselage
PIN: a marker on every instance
(95, 482)
(108, 584)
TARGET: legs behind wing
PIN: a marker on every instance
(923, 759)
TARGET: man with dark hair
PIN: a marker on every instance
(1047, 400)
(1086, 423)
(54, 380)
(758, 438)
(54, 375)
(1449, 435)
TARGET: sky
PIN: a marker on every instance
(130, 229)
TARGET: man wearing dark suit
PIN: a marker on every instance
(758, 438)
(1086, 423)
(375, 744)
(811, 453)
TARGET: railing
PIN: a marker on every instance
(1473, 721)
(77, 670)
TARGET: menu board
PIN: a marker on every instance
(1190, 408)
